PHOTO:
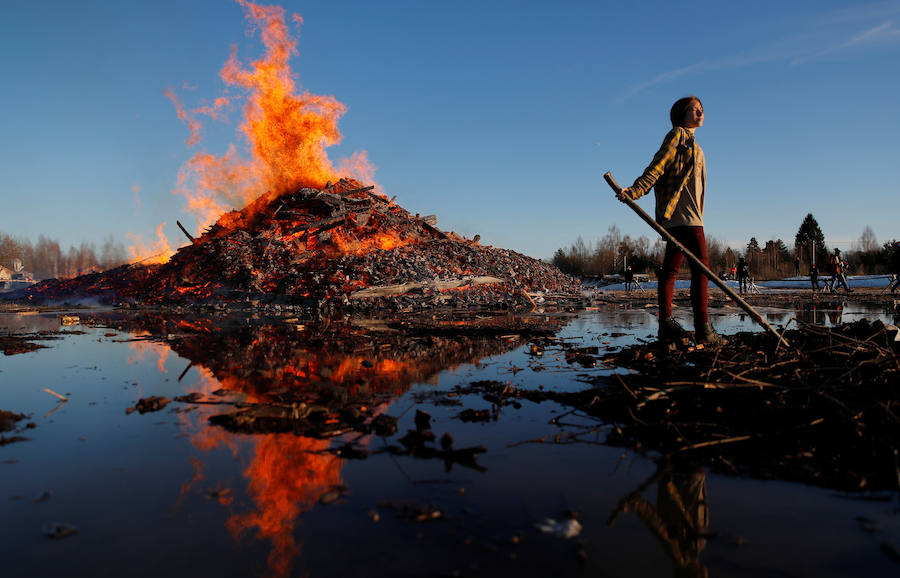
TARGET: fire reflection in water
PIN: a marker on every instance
(359, 364)
(287, 476)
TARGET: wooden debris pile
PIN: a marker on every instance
(342, 247)
(826, 412)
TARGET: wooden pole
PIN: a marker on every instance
(183, 230)
(693, 259)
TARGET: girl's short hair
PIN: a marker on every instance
(676, 115)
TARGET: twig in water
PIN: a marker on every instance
(713, 443)
(54, 394)
(622, 383)
(781, 337)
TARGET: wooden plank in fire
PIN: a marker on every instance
(382, 199)
(329, 223)
(330, 192)
(362, 190)
(399, 289)
(322, 225)
(364, 201)
(434, 230)
(338, 203)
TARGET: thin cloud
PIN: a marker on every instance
(665, 77)
(814, 43)
(884, 34)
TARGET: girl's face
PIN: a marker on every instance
(693, 116)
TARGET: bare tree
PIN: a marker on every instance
(46, 259)
(867, 242)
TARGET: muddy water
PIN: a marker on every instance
(165, 493)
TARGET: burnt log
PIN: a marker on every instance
(183, 230)
(399, 289)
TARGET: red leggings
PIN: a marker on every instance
(695, 241)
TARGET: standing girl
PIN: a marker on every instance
(678, 175)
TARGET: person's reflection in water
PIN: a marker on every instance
(810, 313)
(680, 518)
(835, 315)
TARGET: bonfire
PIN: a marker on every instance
(340, 246)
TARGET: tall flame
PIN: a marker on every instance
(287, 131)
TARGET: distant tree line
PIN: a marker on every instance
(614, 252)
(45, 259)
(773, 259)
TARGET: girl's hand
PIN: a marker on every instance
(624, 194)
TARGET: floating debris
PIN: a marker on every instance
(566, 529)
(58, 530)
(8, 420)
(148, 404)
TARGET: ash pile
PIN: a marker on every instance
(343, 247)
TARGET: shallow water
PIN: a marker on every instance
(165, 493)
(770, 286)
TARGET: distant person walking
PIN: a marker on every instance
(678, 175)
(797, 267)
(743, 275)
(814, 277)
(629, 279)
(895, 263)
(836, 267)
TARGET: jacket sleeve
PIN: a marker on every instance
(661, 160)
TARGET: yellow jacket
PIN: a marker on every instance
(668, 174)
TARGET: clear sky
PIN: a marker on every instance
(500, 117)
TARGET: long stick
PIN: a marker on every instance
(183, 230)
(693, 259)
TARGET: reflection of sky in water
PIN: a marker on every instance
(195, 499)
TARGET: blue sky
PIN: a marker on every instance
(500, 117)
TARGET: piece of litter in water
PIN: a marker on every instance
(566, 529)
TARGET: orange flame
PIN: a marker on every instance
(287, 476)
(192, 123)
(287, 131)
(384, 240)
(157, 252)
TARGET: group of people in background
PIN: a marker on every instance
(837, 274)
(837, 269)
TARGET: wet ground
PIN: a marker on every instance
(98, 490)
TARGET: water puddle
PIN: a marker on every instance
(458, 485)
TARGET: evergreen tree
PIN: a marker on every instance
(752, 252)
(810, 240)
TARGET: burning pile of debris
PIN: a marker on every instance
(339, 247)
